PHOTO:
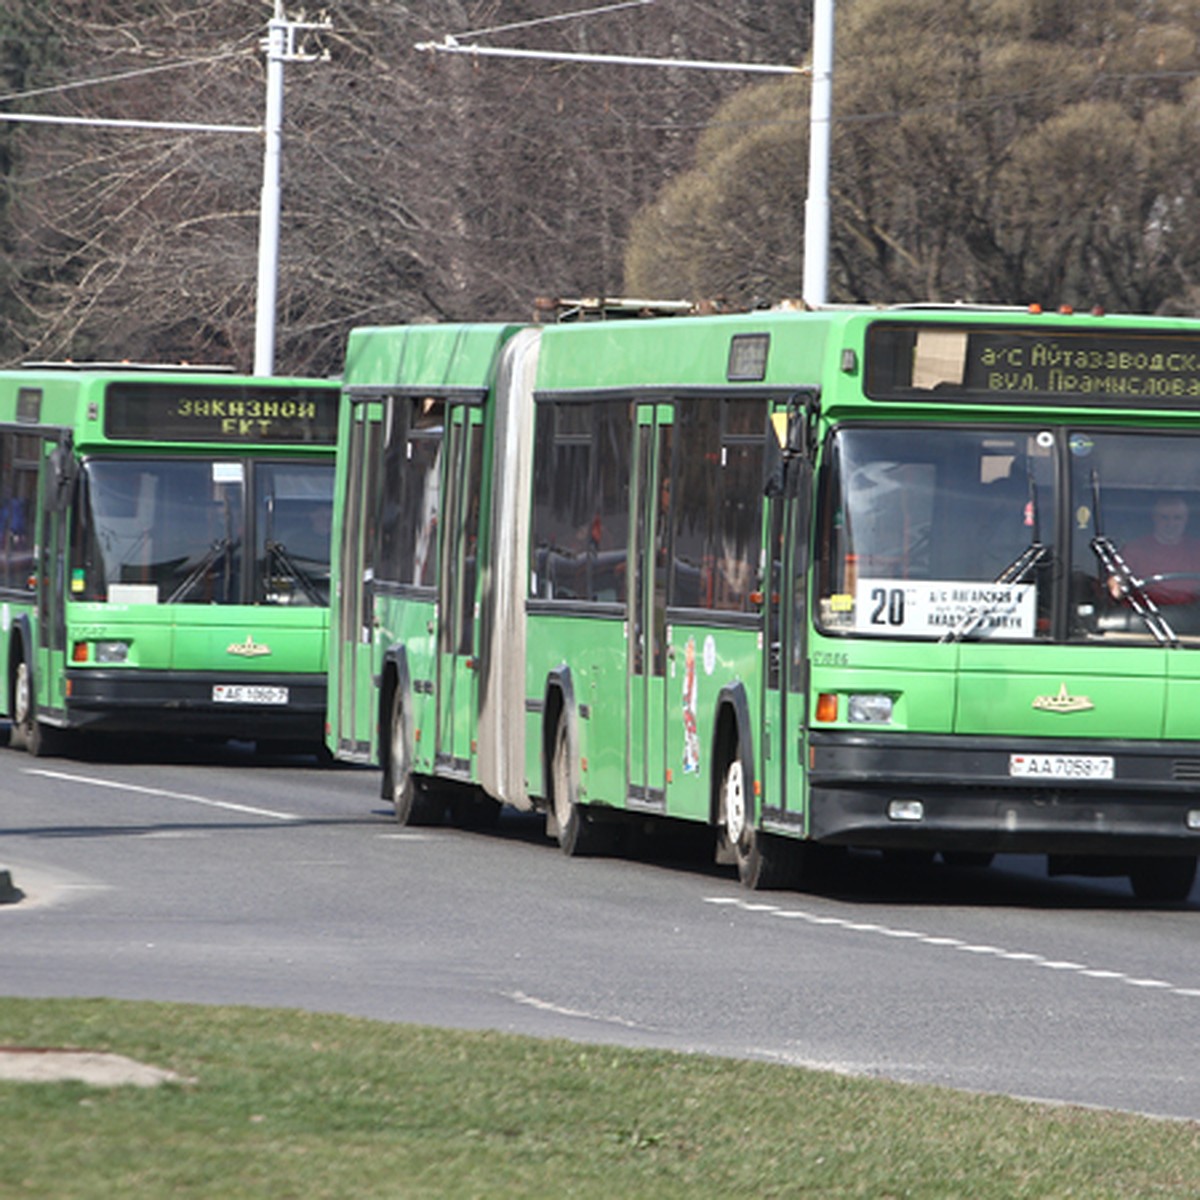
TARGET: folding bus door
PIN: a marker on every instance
(647, 706)
(353, 619)
(457, 678)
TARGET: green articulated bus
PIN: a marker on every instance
(164, 553)
(917, 580)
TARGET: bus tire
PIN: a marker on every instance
(471, 808)
(1163, 880)
(975, 860)
(578, 832)
(764, 861)
(412, 796)
(39, 739)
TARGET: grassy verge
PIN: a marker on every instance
(290, 1104)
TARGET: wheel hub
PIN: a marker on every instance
(735, 803)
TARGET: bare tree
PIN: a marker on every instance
(414, 186)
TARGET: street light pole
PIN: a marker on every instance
(280, 46)
(268, 209)
(816, 206)
(814, 286)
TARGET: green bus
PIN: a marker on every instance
(878, 579)
(164, 553)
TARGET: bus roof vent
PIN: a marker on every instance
(561, 309)
(172, 368)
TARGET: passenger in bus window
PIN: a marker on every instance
(1166, 552)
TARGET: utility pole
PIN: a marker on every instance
(814, 287)
(281, 47)
(816, 206)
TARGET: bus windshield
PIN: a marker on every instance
(182, 531)
(950, 534)
(938, 533)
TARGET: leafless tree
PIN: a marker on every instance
(415, 186)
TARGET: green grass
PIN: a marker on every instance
(290, 1104)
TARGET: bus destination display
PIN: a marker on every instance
(237, 413)
(1011, 365)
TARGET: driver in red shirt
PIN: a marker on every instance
(1166, 550)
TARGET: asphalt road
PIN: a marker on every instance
(215, 876)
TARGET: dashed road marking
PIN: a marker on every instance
(942, 942)
(207, 801)
(559, 1010)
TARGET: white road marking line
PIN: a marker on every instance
(951, 943)
(559, 1010)
(207, 801)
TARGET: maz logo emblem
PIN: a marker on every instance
(1063, 702)
(248, 649)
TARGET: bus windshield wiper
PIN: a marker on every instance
(278, 552)
(1133, 589)
(1017, 571)
(220, 547)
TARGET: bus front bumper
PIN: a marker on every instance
(961, 793)
(198, 704)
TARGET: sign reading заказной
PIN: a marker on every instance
(147, 411)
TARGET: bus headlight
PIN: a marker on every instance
(111, 652)
(870, 709)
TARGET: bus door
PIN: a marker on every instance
(647, 599)
(457, 679)
(785, 645)
(354, 635)
(49, 664)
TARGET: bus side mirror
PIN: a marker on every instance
(63, 470)
(784, 452)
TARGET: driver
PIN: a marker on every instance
(1166, 550)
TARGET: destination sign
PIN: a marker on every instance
(1159, 368)
(937, 608)
(221, 412)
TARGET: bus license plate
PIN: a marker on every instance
(248, 693)
(1061, 766)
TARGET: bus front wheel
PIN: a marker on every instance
(412, 796)
(39, 739)
(1163, 880)
(763, 860)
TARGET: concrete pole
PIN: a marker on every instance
(268, 218)
(816, 206)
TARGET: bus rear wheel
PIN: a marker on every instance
(763, 860)
(577, 831)
(412, 796)
(1163, 880)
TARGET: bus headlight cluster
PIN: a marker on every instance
(867, 709)
(1193, 819)
(110, 652)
